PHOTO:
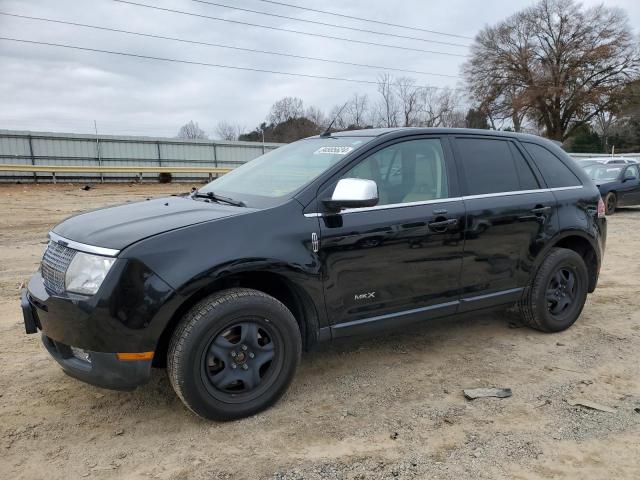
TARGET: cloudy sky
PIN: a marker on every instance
(50, 88)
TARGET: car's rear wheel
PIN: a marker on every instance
(558, 292)
(234, 354)
(610, 203)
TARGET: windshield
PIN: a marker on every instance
(284, 170)
(603, 172)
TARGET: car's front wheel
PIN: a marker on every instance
(558, 292)
(234, 354)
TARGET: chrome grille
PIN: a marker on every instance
(55, 262)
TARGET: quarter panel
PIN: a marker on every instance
(577, 213)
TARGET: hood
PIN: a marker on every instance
(604, 184)
(120, 226)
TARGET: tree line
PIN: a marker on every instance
(400, 102)
(558, 69)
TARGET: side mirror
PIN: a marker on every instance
(628, 179)
(353, 193)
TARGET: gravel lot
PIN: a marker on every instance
(382, 407)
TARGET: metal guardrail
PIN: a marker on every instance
(114, 158)
(633, 156)
(55, 169)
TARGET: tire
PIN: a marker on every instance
(234, 354)
(545, 307)
(610, 203)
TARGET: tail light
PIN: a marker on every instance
(601, 209)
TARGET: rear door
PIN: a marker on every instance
(400, 260)
(509, 214)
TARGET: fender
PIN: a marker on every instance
(269, 276)
(556, 239)
(232, 251)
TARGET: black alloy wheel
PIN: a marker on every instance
(557, 293)
(234, 354)
(241, 358)
(561, 291)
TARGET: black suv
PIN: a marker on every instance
(330, 236)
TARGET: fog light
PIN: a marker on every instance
(80, 354)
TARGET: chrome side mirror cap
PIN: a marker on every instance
(353, 193)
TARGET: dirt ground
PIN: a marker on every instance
(383, 407)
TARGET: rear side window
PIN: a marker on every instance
(555, 173)
(491, 167)
(527, 179)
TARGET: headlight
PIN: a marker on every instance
(86, 273)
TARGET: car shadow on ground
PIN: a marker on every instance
(329, 361)
(627, 210)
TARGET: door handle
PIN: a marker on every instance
(442, 225)
(540, 210)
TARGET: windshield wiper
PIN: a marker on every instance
(219, 198)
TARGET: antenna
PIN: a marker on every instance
(327, 132)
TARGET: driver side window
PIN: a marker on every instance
(411, 171)
(631, 172)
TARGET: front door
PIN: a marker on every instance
(630, 189)
(400, 260)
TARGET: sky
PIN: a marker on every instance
(46, 88)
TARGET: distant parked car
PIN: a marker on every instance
(583, 162)
(619, 185)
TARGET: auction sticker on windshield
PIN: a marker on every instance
(333, 150)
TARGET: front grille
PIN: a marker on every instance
(55, 262)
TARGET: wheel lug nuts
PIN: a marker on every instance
(251, 355)
(233, 365)
(233, 354)
(244, 366)
(244, 347)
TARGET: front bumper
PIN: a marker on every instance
(119, 327)
(102, 369)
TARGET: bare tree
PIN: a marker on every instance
(227, 131)
(455, 118)
(191, 131)
(405, 103)
(554, 62)
(618, 105)
(439, 108)
(603, 124)
(338, 116)
(316, 116)
(408, 95)
(356, 113)
(285, 109)
(388, 109)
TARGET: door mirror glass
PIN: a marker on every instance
(353, 193)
